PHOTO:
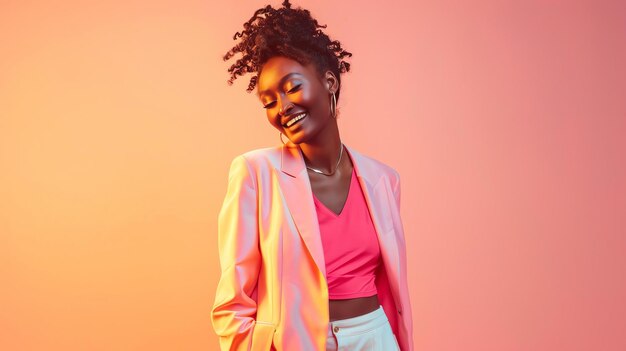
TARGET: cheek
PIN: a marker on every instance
(305, 97)
(315, 98)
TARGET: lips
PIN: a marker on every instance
(299, 115)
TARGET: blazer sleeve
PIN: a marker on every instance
(402, 251)
(396, 188)
(234, 310)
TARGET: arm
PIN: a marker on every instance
(234, 310)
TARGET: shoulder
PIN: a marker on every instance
(263, 157)
(372, 164)
(262, 153)
(258, 159)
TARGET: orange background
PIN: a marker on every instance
(506, 121)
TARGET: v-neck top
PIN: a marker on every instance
(350, 243)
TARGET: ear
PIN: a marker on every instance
(332, 83)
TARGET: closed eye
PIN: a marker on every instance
(292, 90)
(296, 88)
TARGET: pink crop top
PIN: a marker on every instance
(350, 245)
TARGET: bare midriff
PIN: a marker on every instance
(348, 308)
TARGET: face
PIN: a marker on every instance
(292, 92)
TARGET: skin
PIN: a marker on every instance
(286, 87)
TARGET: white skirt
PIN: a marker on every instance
(367, 332)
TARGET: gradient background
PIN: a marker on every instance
(506, 121)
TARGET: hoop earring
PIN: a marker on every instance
(333, 107)
(281, 138)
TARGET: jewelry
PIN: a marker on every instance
(333, 107)
(281, 138)
(336, 166)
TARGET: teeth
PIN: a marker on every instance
(295, 119)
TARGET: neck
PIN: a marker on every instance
(323, 153)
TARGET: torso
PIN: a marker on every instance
(332, 191)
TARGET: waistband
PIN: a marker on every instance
(359, 324)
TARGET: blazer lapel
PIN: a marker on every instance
(296, 188)
(377, 197)
(294, 182)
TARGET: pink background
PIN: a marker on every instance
(506, 121)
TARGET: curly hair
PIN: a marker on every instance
(287, 32)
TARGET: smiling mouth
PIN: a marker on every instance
(295, 120)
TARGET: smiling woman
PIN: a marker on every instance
(311, 242)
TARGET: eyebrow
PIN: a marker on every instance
(280, 82)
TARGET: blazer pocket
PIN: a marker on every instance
(262, 336)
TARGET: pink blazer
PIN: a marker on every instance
(273, 293)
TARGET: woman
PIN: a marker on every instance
(311, 242)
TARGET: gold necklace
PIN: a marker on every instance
(336, 166)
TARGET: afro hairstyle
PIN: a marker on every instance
(286, 32)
